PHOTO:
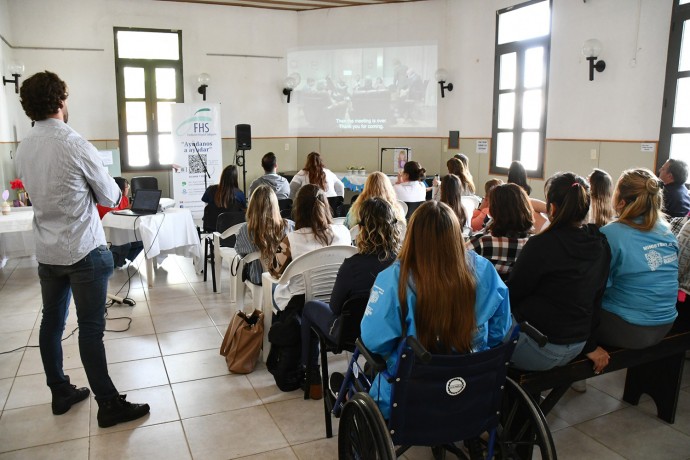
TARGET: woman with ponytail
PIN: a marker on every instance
(451, 300)
(639, 305)
(314, 229)
(558, 281)
(410, 186)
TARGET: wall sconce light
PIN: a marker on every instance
(441, 78)
(16, 71)
(288, 85)
(591, 49)
(204, 79)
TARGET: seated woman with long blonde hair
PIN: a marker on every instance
(263, 231)
(376, 185)
(452, 301)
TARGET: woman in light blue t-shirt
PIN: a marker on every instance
(639, 304)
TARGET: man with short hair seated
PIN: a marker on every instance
(674, 174)
(278, 183)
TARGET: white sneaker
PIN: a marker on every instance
(579, 386)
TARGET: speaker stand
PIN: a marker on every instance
(239, 161)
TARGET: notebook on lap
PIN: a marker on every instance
(145, 203)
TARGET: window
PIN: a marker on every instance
(148, 67)
(520, 86)
(674, 137)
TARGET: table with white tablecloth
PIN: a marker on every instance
(169, 232)
(16, 234)
(355, 181)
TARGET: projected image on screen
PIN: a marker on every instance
(363, 91)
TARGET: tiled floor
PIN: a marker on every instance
(169, 358)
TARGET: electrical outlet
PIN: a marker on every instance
(287, 147)
(593, 154)
(445, 148)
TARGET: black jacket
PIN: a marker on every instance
(676, 200)
(558, 281)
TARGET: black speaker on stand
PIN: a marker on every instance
(243, 141)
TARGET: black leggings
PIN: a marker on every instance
(615, 331)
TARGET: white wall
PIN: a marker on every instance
(624, 101)
(7, 96)
(248, 88)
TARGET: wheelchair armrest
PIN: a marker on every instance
(534, 334)
(377, 363)
(419, 351)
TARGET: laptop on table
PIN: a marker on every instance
(145, 203)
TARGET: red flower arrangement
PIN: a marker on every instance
(17, 184)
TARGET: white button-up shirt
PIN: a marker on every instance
(65, 178)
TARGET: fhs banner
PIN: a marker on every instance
(197, 146)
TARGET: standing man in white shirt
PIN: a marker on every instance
(65, 178)
(278, 183)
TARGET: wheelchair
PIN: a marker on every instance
(438, 401)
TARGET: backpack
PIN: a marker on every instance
(286, 349)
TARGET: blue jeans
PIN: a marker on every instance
(319, 314)
(529, 357)
(87, 280)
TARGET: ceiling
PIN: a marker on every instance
(292, 5)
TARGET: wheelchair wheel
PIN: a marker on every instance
(522, 428)
(363, 433)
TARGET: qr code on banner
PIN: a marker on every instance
(195, 164)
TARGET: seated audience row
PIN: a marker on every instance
(586, 286)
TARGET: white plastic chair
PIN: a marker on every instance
(403, 205)
(318, 268)
(225, 253)
(354, 231)
(469, 204)
(240, 286)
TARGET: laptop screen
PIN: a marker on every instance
(146, 200)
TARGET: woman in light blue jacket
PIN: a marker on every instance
(455, 302)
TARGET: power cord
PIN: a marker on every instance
(36, 346)
(114, 299)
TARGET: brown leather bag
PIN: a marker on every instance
(242, 342)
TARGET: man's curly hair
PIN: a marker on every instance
(42, 94)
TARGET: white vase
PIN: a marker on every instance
(6, 209)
